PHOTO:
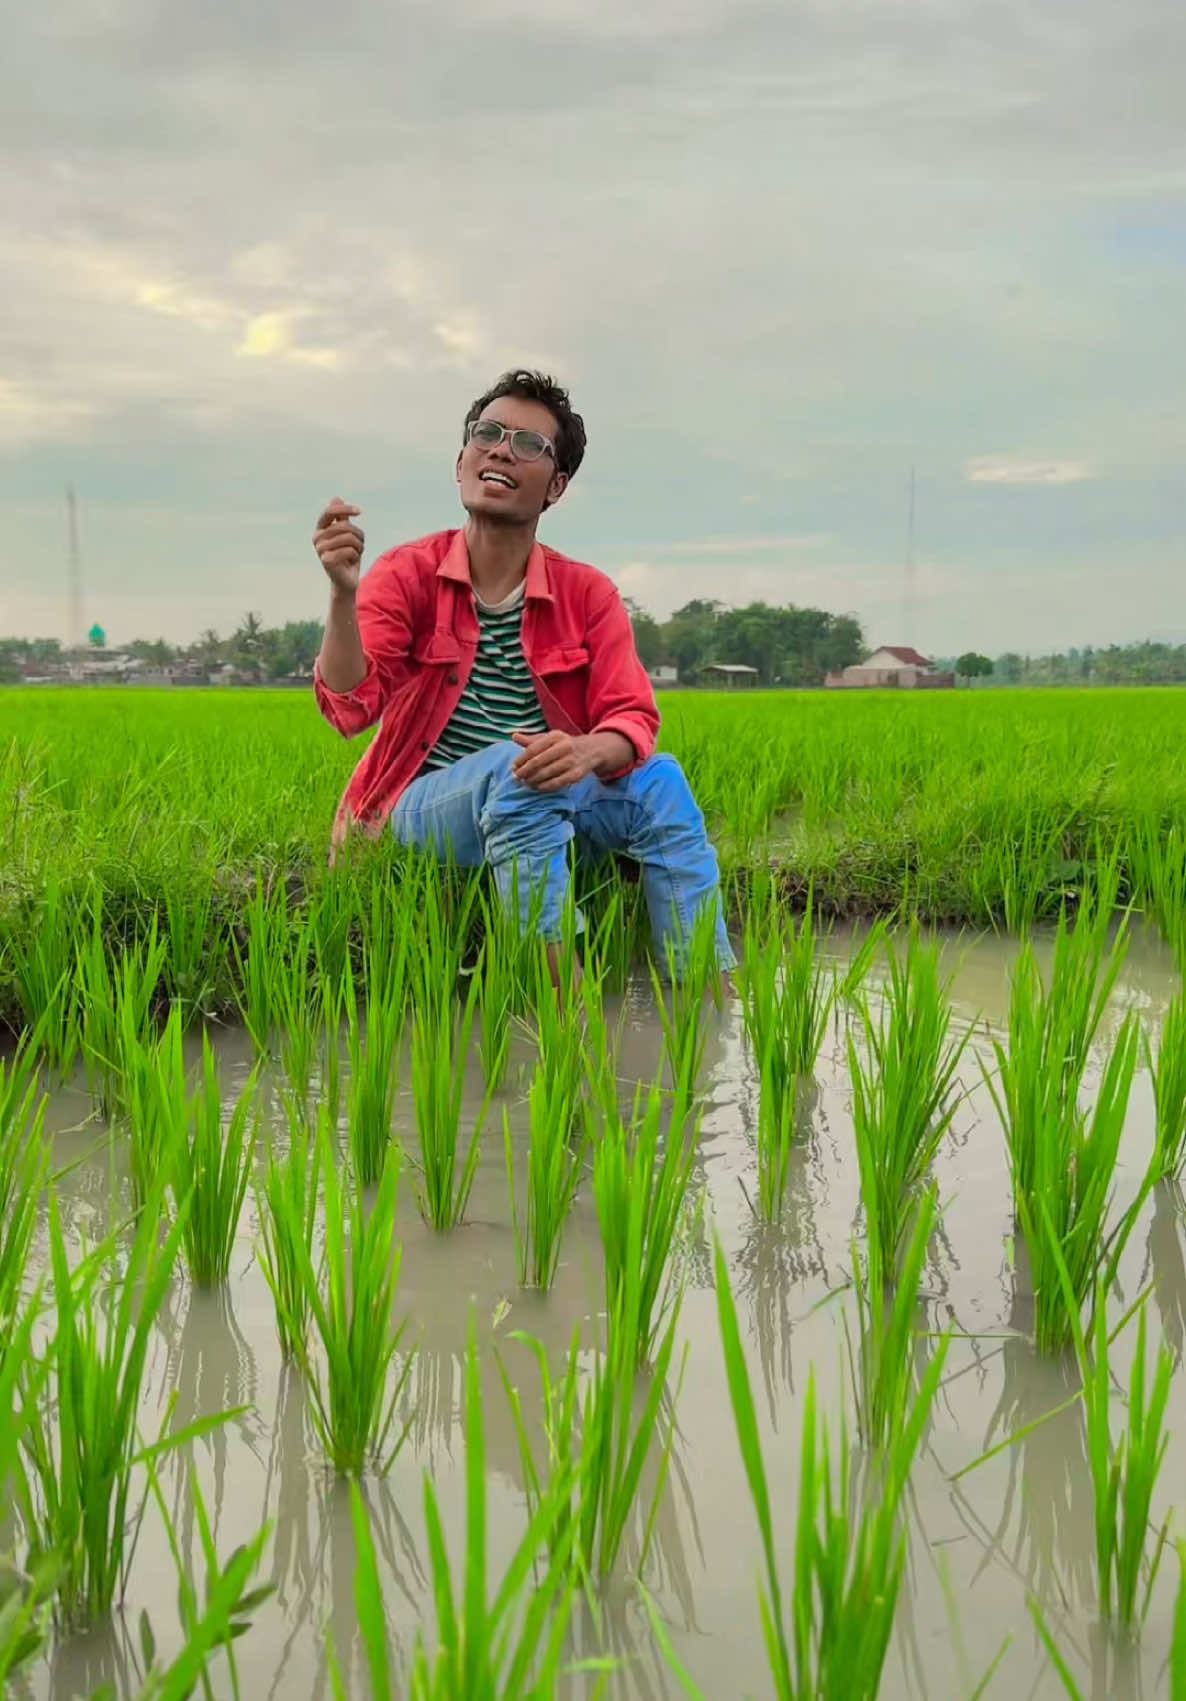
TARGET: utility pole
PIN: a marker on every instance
(908, 586)
(74, 635)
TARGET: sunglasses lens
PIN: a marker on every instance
(485, 432)
(528, 445)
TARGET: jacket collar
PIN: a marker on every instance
(455, 566)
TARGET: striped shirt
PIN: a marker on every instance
(499, 696)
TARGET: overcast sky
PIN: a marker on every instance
(255, 256)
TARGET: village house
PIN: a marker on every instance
(663, 675)
(896, 666)
(731, 675)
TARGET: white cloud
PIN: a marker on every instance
(1012, 469)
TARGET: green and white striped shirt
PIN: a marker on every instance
(499, 696)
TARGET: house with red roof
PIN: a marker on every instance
(896, 666)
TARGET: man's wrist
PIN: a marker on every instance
(608, 752)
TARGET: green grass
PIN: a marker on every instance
(348, 1297)
(642, 1176)
(555, 1168)
(1167, 1069)
(492, 1643)
(208, 1157)
(903, 1097)
(81, 1445)
(287, 1224)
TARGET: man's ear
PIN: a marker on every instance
(556, 489)
(457, 470)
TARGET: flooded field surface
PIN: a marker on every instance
(980, 1545)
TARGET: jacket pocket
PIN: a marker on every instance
(565, 658)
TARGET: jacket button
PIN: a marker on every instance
(424, 744)
(452, 679)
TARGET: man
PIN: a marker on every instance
(515, 714)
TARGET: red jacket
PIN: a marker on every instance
(419, 628)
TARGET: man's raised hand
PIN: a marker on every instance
(339, 543)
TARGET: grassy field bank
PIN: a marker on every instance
(965, 808)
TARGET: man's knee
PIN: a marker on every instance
(661, 787)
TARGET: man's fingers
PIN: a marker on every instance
(336, 510)
(340, 529)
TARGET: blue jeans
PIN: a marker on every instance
(477, 812)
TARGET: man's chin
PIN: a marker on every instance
(491, 511)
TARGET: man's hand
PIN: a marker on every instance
(553, 760)
(339, 545)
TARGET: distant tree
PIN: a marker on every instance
(155, 651)
(247, 643)
(648, 635)
(972, 665)
(1008, 667)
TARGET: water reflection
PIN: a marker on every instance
(1166, 1258)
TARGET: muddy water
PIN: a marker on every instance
(1019, 1525)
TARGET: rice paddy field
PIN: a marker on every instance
(376, 1320)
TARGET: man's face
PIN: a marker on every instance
(495, 485)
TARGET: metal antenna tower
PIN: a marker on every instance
(908, 636)
(74, 635)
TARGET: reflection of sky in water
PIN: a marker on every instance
(1018, 1524)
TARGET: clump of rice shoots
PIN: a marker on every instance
(500, 1644)
(195, 943)
(25, 1592)
(1052, 1026)
(828, 1633)
(299, 1016)
(1066, 1212)
(692, 972)
(81, 1445)
(787, 990)
(1168, 1072)
(882, 1365)
(903, 1098)
(24, 1163)
(349, 1297)
(116, 1005)
(642, 1175)
(604, 1439)
(267, 926)
(556, 1156)
(41, 956)
(374, 1072)
(209, 1158)
(440, 1049)
(287, 1223)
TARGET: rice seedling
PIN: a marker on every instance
(40, 958)
(266, 925)
(208, 1159)
(287, 1222)
(24, 1162)
(692, 971)
(882, 1366)
(213, 1616)
(440, 1047)
(1066, 1211)
(787, 990)
(903, 1098)
(374, 1074)
(116, 1004)
(827, 1637)
(81, 1447)
(777, 1114)
(502, 1645)
(1052, 1026)
(194, 948)
(603, 1436)
(1168, 1072)
(1177, 1659)
(556, 1157)
(641, 1180)
(349, 1297)
(299, 1023)
(25, 1592)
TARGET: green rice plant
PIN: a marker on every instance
(787, 990)
(350, 1299)
(152, 1096)
(1177, 1659)
(374, 1076)
(556, 1156)
(299, 1018)
(1052, 1025)
(500, 973)
(882, 1366)
(266, 927)
(777, 1114)
(24, 1163)
(505, 1645)
(1124, 1474)
(287, 1207)
(602, 1438)
(116, 1002)
(1168, 1072)
(194, 945)
(692, 971)
(568, 1029)
(826, 1638)
(25, 1592)
(903, 1098)
(1066, 1212)
(81, 1448)
(208, 1159)
(641, 1182)
(40, 956)
(440, 1047)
